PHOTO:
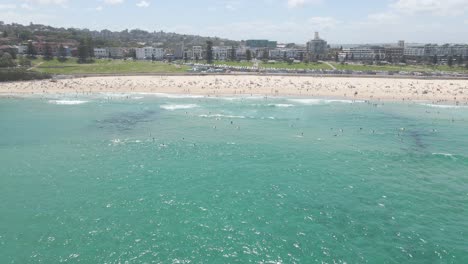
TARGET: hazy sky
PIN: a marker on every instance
(339, 21)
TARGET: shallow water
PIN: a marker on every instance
(175, 179)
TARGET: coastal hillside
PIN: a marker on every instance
(16, 33)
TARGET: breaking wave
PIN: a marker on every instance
(323, 101)
(172, 107)
(67, 102)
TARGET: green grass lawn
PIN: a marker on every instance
(297, 66)
(228, 63)
(408, 68)
(234, 63)
(279, 65)
(105, 66)
(120, 66)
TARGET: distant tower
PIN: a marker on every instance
(317, 48)
(401, 44)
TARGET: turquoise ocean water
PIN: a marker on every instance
(176, 179)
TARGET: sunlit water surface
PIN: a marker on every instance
(180, 179)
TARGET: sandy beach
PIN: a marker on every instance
(374, 89)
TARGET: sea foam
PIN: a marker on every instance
(444, 106)
(172, 107)
(323, 101)
(222, 116)
(158, 95)
(281, 105)
(443, 154)
(173, 96)
(239, 97)
(67, 102)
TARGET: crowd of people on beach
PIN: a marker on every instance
(374, 89)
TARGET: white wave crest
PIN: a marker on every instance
(443, 154)
(222, 116)
(239, 97)
(444, 106)
(173, 96)
(159, 95)
(67, 102)
(115, 95)
(172, 107)
(323, 101)
(281, 105)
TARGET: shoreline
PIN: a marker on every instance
(435, 91)
(241, 74)
(260, 74)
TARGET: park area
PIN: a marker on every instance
(106, 66)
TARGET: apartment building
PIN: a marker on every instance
(109, 52)
(360, 53)
(147, 53)
(431, 50)
(197, 52)
(101, 53)
(395, 53)
(414, 51)
(288, 53)
(221, 52)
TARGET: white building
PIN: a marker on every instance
(443, 51)
(22, 49)
(290, 53)
(460, 50)
(278, 53)
(436, 50)
(101, 53)
(414, 51)
(221, 52)
(109, 52)
(147, 53)
(359, 54)
(197, 52)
